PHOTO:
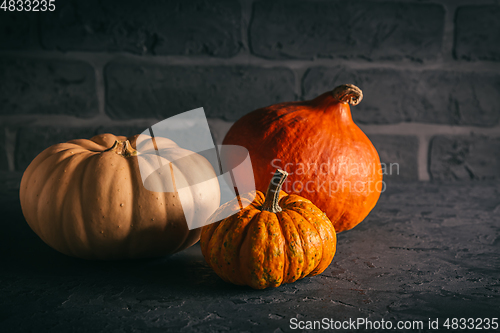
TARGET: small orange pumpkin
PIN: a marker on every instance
(330, 160)
(86, 198)
(273, 240)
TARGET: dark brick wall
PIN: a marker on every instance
(47, 87)
(465, 157)
(157, 27)
(430, 96)
(351, 29)
(4, 163)
(398, 155)
(478, 33)
(137, 90)
(429, 70)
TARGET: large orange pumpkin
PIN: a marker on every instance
(86, 198)
(275, 239)
(330, 160)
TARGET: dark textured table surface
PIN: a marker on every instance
(426, 251)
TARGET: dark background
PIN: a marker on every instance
(430, 73)
(429, 70)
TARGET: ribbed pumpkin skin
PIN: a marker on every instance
(263, 249)
(307, 139)
(90, 203)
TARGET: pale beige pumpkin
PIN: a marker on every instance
(85, 198)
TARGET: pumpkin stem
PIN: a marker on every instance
(348, 93)
(123, 148)
(273, 192)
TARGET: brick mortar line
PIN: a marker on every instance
(442, 2)
(419, 2)
(439, 2)
(251, 60)
(406, 128)
(100, 87)
(423, 158)
(301, 72)
(448, 41)
(10, 147)
(69, 121)
(429, 129)
(423, 132)
(246, 18)
(460, 2)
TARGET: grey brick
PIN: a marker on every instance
(4, 164)
(478, 33)
(464, 158)
(35, 86)
(179, 27)
(15, 28)
(393, 96)
(31, 141)
(399, 156)
(455, 98)
(144, 90)
(384, 91)
(360, 29)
